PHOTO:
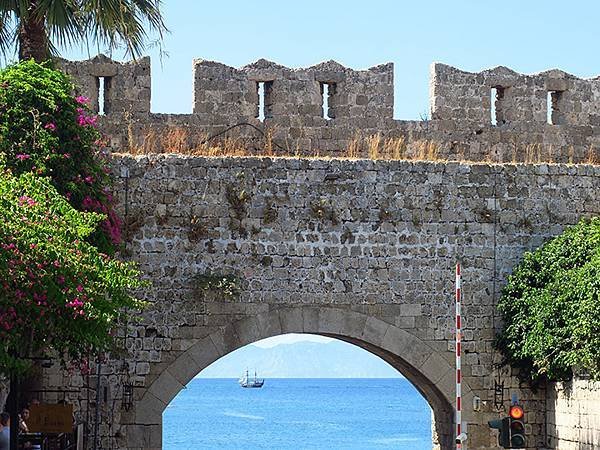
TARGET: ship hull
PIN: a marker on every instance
(251, 384)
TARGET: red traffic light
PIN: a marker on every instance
(516, 412)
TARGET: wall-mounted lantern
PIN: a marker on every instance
(127, 401)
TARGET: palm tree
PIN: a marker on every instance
(40, 27)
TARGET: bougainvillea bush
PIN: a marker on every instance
(551, 308)
(60, 294)
(47, 130)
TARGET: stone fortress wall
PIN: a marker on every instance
(358, 103)
(360, 250)
(306, 223)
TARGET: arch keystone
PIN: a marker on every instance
(291, 320)
(329, 321)
(310, 317)
(269, 324)
(247, 330)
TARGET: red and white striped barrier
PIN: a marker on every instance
(458, 352)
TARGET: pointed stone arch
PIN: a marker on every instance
(430, 372)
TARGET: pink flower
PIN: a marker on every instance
(40, 299)
(75, 303)
(82, 100)
(83, 119)
(88, 202)
(79, 288)
(22, 156)
(24, 199)
(67, 155)
(89, 179)
(50, 126)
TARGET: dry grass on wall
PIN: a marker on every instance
(375, 147)
(179, 140)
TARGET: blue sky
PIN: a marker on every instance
(528, 36)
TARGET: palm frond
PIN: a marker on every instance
(17, 7)
(8, 33)
(122, 22)
(62, 21)
(108, 23)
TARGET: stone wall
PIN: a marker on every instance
(573, 415)
(360, 250)
(459, 127)
(356, 249)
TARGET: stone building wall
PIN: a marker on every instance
(363, 250)
(573, 415)
(360, 105)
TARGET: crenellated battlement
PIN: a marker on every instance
(553, 94)
(495, 114)
(126, 86)
(294, 93)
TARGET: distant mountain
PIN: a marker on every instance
(334, 359)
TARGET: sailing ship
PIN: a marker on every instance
(247, 382)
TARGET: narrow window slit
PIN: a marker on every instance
(553, 113)
(103, 85)
(260, 86)
(264, 90)
(496, 99)
(327, 92)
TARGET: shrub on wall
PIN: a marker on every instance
(59, 293)
(551, 308)
(47, 130)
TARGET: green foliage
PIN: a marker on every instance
(59, 293)
(44, 129)
(102, 23)
(551, 308)
(238, 201)
(226, 285)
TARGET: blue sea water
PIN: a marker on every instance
(298, 414)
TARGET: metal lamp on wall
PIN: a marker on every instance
(127, 401)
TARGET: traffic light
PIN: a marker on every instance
(503, 425)
(517, 426)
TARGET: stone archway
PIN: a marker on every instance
(431, 373)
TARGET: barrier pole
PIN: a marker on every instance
(458, 353)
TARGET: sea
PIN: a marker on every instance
(298, 413)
